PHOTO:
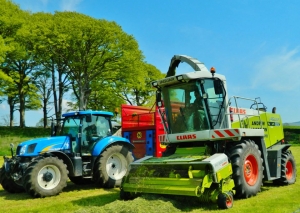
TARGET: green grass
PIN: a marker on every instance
(89, 199)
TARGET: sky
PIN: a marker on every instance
(255, 43)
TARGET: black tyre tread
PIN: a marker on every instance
(8, 184)
(285, 157)
(30, 181)
(237, 157)
(100, 176)
(221, 201)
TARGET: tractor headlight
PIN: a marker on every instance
(23, 150)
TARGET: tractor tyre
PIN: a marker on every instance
(80, 180)
(112, 166)
(8, 183)
(288, 169)
(247, 166)
(225, 200)
(45, 177)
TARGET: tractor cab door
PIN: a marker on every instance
(71, 128)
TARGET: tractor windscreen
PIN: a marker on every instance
(193, 106)
(92, 126)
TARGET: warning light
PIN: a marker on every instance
(212, 70)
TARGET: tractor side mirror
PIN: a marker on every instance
(218, 87)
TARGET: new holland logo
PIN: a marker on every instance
(186, 137)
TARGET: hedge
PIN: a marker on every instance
(33, 132)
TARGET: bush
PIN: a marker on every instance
(33, 132)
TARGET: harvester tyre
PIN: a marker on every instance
(8, 184)
(225, 200)
(112, 166)
(288, 169)
(45, 177)
(247, 166)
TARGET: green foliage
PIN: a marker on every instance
(17, 135)
(292, 134)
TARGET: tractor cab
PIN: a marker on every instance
(192, 105)
(85, 129)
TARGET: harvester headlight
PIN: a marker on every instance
(23, 150)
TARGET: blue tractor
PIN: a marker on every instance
(83, 150)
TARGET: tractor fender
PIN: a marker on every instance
(105, 142)
(63, 156)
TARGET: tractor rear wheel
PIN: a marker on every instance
(247, 168)
(112, 166)
(45, 177)
(8, 183)
(288, 169)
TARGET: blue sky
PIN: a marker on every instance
(255, 44)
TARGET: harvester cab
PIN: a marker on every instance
(215, 148)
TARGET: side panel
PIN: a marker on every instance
(270, 122)
(142, 126)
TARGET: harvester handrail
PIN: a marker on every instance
(236, 106)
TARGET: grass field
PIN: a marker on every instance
(89, 199)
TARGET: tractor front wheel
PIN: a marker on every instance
(8, 183)
(247, 168)
(45, 177)
(112, 166)
(288, 169)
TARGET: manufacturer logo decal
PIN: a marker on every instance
(186, 137)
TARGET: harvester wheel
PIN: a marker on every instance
(45, 177)
(8, 183)
(247, 168)
(225, 200)
(112, 166)
(288, 169)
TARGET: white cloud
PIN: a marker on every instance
(69, 5)
(279, 72)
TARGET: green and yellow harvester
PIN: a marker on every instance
(216, 149)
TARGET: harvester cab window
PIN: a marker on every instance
(185, 106)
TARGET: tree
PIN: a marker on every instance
(96, 51)
(18, 63)
(137, 90)
(44, 84)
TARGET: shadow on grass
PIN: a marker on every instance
(14, 196)
(70, 187)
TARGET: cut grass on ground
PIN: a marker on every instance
(89, 199)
